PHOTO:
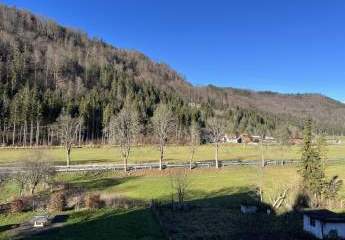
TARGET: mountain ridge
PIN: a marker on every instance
(65, 62)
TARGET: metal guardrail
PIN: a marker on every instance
(141, 166)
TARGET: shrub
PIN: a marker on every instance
(57, 202)
(17, 206)
(93, 201)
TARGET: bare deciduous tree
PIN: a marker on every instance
(68, 128)
(124, 128)
(163, 124)
(3, 178)
(217, 127)
(32, 171)
(279, 197)
(180, 184)
(38, 170)
(194, 132)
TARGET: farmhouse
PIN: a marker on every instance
(324, 224)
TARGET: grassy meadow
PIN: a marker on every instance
(173, 153)
(219, 191)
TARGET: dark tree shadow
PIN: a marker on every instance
(100, 183)
(60, 218)
(213, 215)
(218, 216)
(8, 227)
(104, 225)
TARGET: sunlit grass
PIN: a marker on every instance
(173, 153)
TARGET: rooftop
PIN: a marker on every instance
(326, 215)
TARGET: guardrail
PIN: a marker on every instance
(141, 166)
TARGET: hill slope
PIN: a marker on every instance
(327, 112)
(45, 67)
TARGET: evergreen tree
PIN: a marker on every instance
(311, 168)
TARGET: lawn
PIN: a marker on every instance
(202, 182)
(217, 188)
(107, 224)
(174, 153)
(93, 224)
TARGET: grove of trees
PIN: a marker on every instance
(47, 70)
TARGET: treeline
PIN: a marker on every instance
(46, 68)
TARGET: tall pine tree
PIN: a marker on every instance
(311, 168)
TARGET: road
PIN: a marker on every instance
(118, 167)
(132, 167)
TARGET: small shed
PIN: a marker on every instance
(324, 224)
(40, 221)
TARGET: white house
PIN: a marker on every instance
(324, 223)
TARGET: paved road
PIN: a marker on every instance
(116, 167)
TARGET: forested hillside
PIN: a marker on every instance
(45, 68)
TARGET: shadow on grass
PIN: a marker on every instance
(214, 215)
(106, 224)
(89, 161)
(98, 184)
(218, 216)
(60, 219)
(8, 227)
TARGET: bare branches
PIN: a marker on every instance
(279, 198)
(194, 132)
(68, 128)
(180, 184)
(163, 123)
(34, 170)
(124, 128)
(217, 127)
(38, 170)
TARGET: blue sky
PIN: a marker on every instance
(280, 45)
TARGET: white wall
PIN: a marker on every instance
(314, 230)
(339, 227)
(327, 227)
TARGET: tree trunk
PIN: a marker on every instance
(33, 189)
(262, 154)
(31, 132)
(7, 136)
(37, 132)
(161, 157)
(20, 140)
(24, 132)
(191, 159)
(48, 133)
(14, 134)
(3, 134)
(216, 157)
(79, 136)
(68, 155)
(125, 164)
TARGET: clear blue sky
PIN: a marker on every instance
(279, 45)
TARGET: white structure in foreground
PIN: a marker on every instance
(324, 223)
(40, 221)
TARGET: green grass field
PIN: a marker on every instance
(202, 183)
(93, 224)
(173, 153)
(205, 185)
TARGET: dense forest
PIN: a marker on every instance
(46, 69)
